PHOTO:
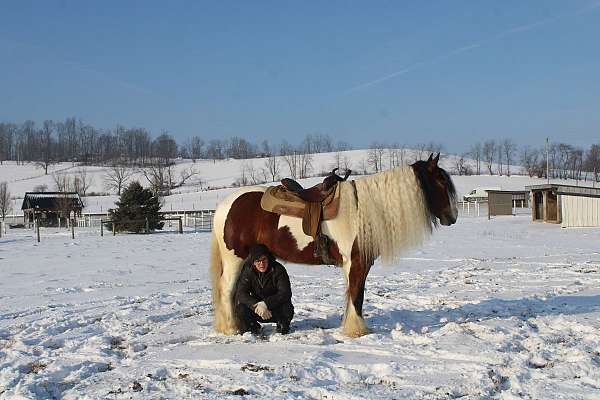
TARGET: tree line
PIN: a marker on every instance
(562, 160)
(73, 140)
(76, 141)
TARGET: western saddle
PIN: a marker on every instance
(320, 191)
(316, 199)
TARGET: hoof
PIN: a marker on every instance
(354, 326)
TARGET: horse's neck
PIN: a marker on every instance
(392, 215)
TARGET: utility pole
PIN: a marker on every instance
(547, 162)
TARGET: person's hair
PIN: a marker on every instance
(257, 251)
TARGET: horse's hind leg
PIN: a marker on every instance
(356, 271)
(225, 271)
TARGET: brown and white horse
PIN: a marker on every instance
(380, 216)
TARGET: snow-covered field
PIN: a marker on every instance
(486, 309)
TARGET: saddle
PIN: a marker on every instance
(319, 192)
(313, 205)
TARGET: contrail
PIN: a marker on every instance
(462, 49)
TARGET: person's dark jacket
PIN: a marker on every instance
(272, 286)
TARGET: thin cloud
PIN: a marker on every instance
(463, 49)
(108, 78)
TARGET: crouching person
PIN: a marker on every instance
(263, 293)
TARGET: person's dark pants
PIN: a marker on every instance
(248, 320)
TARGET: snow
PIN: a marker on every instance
(503, 309)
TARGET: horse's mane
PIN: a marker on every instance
(393, 214)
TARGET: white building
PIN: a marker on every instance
(570, 206)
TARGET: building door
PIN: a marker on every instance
(552, 207)
(538, 205)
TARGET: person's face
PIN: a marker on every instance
(261, 263)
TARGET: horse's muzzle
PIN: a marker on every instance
(447, 221)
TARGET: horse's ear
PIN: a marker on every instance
(436, 159)
(430, 158)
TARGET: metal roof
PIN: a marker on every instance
(570, 190)
(51, 201)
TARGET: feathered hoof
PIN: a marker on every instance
(225, 326)
(355, 327)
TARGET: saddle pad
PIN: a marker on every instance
(279, 200)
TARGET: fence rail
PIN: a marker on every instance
(480, 208)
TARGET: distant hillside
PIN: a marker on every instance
(216, 179)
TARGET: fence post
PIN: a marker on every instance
(113, 226)
(147, 225)
(180, 225)
(1, 223)
(101, 228)
(72, 229)
(37, 228)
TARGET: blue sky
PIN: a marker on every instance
(453, 72)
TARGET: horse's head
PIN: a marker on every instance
(438, 190)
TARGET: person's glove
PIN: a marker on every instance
(262, 310)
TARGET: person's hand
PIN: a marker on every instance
(262, 310)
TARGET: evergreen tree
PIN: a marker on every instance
(134, 207)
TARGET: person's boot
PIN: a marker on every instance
(255, 328)
(283, 328)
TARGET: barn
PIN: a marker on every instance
(570, 206)
(51, 208)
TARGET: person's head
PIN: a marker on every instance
(260, 257)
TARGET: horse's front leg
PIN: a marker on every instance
(356, 270)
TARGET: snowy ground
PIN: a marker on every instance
(487, 309)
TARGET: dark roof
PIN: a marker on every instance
(52, 201)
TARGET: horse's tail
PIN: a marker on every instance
(216, 271)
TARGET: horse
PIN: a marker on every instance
(380, 215)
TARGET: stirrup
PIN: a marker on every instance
(322, 249)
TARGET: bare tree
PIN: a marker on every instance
(396, 156)
(375, 157)
(510, 148)
(162, 177)
(62, 182)
(291, 158)
(116, 177)
(363, 166)
(46, 146)
(5, 206)
(530, 160)
(461, 167)
(500, 151)
(164, 148)
(216, 150)
(305, 164)
(488, 150)
(82, 182)
(271, 168)
(476, 155)
(265, 149)
(251, 172)
(592, 161)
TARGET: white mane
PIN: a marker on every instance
(392, 214)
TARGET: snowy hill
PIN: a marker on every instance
(216, 179)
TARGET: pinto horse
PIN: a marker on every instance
(379, 216)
